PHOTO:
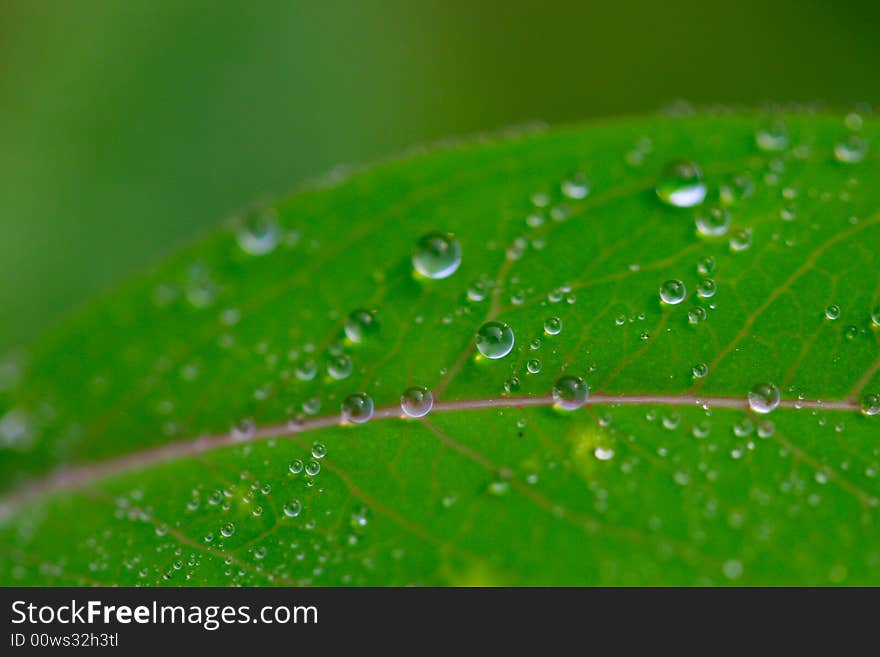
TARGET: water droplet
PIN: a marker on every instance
(258, 232)
(228, 529)
(576, 187)
(875, 316)
(361, 324)
(871, 404)
(681, 184)
(357, 408)
(437, 255)
(772, 137)
(570, 392)
(553, 326)
(706, 288)
(495, 339)
(740, 188)
(477, 291)
(700, 370)
(296, 466)
(851, 332)
(243, 429)
(766, 429)
(764, 398)
(535, 344)
(696, 315)
(741, 239)
(340, 367)
(673, 292)
(498, 488)
(293, 508)
(313, 468)
(851, 150)
(603, 453)
(319, 450)
(832, 312)
(533, 366)
(706, 266)
(306, 370)
(713, 223)
(416, 401)
(732, 569)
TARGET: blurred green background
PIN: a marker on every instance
(129, 127)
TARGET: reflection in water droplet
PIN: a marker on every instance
(673, 292)
(570, 392)
(681, 184)
(832, 312)
(871, 404)
(416, 401)
(340, 367)
(437, 255)
(495, 339)
(293, 508)
(706, 288)
(764, 398)
(700, 370)
(357, 408)
(533, 366)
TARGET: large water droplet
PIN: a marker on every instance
(357, 408)
(416, 401)
(437, 255)
(361, 324)
(714, 222)
(673, 292)
(764, 398)
(681, 184)
(495, 339)
(570, 392)
(258, 232)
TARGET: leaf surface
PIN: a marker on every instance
(166, 435)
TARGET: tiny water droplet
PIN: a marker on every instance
(875, 316)
(772, 137)
(706, 266)
(416, 401)
(357, 408)
(871, 404)
(533, 366)
(258, 232)
(293, 508)
(741, 239)
(340, 367)
(714, 222)
(495, 340)
(673, 292)
(296, 466)
(764, 398)
(576, 187)
(706, 288)
(553, 326)
(700, 370)
(832, 312)
(319, 450)
(498, 488)
(851, 150)
(570, 392)
(361, 324)
(228, 529)
(437, 255)
(603, 453)
(313, 468)
(696, 315)
(681, 184)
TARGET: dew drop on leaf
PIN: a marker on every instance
(436, 255)
(258, 232)
(495, 340)
(293, 508)
(764, 398)
(553, 326)
(533, 366)
(714, 222)
(361, 324)
(851, 150)
(357, 408)
(832, 312)
(673, 292)
(340, 367)
(681, 184)
(416, 401)
(772, 137)
(570, 392)
(576, 187)
(871, 404)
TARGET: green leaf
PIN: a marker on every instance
(157, 438)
